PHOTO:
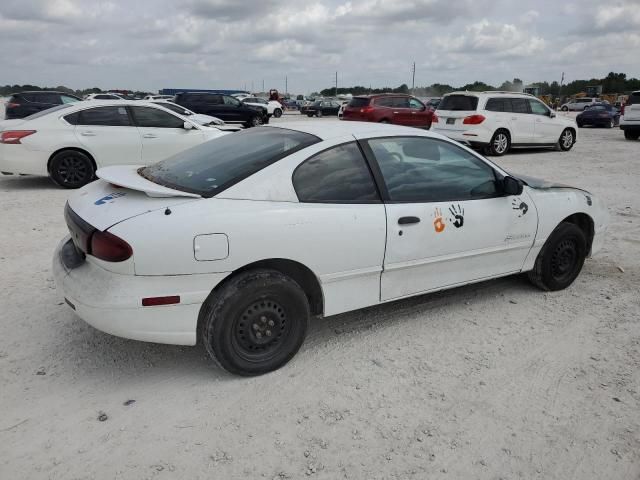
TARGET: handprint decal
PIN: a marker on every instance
(518, 204)
(438, 223)
(458, 215)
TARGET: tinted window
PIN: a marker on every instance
(417, 169)
(52, 98)
(519, 105)
(105, 97)
(234, 102)
(73, 118)
(400, 102)
(338, 175)
(384, 102)
(633, 99)
(46, 112)
(358, 102)
(106, 116)
(210, 167)
(459, 103)
(495, 105)
(155, 118)
(213, 99)
(538, 108)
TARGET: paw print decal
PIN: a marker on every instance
(438, 222)
(518, 204)
(458, 215)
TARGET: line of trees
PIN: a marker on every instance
(612, 83)
(9, 89)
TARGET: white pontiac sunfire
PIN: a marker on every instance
(239, 241)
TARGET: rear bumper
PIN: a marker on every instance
(630, 125)
(112, 302)
(474, 138)
(19, 160)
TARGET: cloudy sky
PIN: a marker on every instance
(151, 44)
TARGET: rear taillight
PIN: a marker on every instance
(622, 110)
(12, 137)
(110, 248)
(366, 110)
(473, 120)
(12, 105)
(434, 118)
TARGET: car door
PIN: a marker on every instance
(546, 128)
(521, 122)
(162, 133)
(108, 134)
(402, 114)
(234, 109)
(447, 221)
(420, 114)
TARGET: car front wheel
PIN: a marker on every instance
(567, 139)
(629, 135)
(255, 121)
(277, 113)
(71, 169)
(561, 258)
(256, 323)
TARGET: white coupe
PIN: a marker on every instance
(239, 242)
(70, 142)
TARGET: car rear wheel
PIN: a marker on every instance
(565, 109)
(256, 323)
(384, 120)
(500, 143)
(277, 113)
(629, 135)
(561, 258)
(71, 169)
(580, 124)
(612, 123)
(255, 121)
(567, 139)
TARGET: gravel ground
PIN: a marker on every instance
(495, 380)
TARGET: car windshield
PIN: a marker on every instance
(48, 111)
(458, 103)
(213, 166)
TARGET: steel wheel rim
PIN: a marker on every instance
(500, 143)
(72, 170)
(564, 259)
(567, 139)
(261, 330)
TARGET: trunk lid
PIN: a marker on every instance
(120, 194)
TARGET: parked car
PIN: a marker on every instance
(23, 104)
(323, 108)
(197, 117)
(343, 105)
(220, 244)
(433, 103)
(104, 96)
(499, 121)
(630, 119)
(225, 107)
(70, 142)
(599, 115)
(579, 104)
(389, 108)
(158, 97)
(274, 108)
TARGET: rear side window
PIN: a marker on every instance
(46, 112)
(359, 102)
(459, 103)
(634, 98)
(384, 102)
(337, 175)
(497, 105)
(154, 118)
(105, 116)
(211, 167)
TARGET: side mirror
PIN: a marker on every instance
(512, 186)
(187, 126)
(552, 114)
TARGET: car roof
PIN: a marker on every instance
(489, 93)
(327, 129)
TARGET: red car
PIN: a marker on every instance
(389, 108)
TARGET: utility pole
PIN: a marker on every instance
(252, 90)
(286, 85)
(413, 77)
(263, 86)
(336, 95)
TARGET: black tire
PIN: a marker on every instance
(310, 115)
(612, 123)
(256, 323)
(277, 113)
(629, 135)
(319, 113)
(567, 140)
(561, 258)
(384, 120)
(565, 109)
(580, 124)
(71, 169)
(500, 143)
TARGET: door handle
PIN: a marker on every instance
(514, 118)
(395, 112)
(87, 134)
(149, 135)
(408, 220)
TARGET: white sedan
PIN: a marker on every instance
(70, 142)
(239, 242)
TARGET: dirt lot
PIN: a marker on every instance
(496, 380)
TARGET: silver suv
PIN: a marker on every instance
(579, 104)
(630, 118)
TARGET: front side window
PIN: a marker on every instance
(519, 105)
(155, 118)
(384, 102)
(538, 108)
(211, 167)
(213, 99)
(337, 175)
(416, 104)
(400, 102)
(65, 99)
(233, 102)
(105, 116)
(419, 169)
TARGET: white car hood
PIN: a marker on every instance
(121, 194)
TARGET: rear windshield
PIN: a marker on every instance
(634, 98)
(359, 102)
(458, 102)
(42, 113)
(214, 166)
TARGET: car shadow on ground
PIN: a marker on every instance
(26, 182)
(99, 354)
